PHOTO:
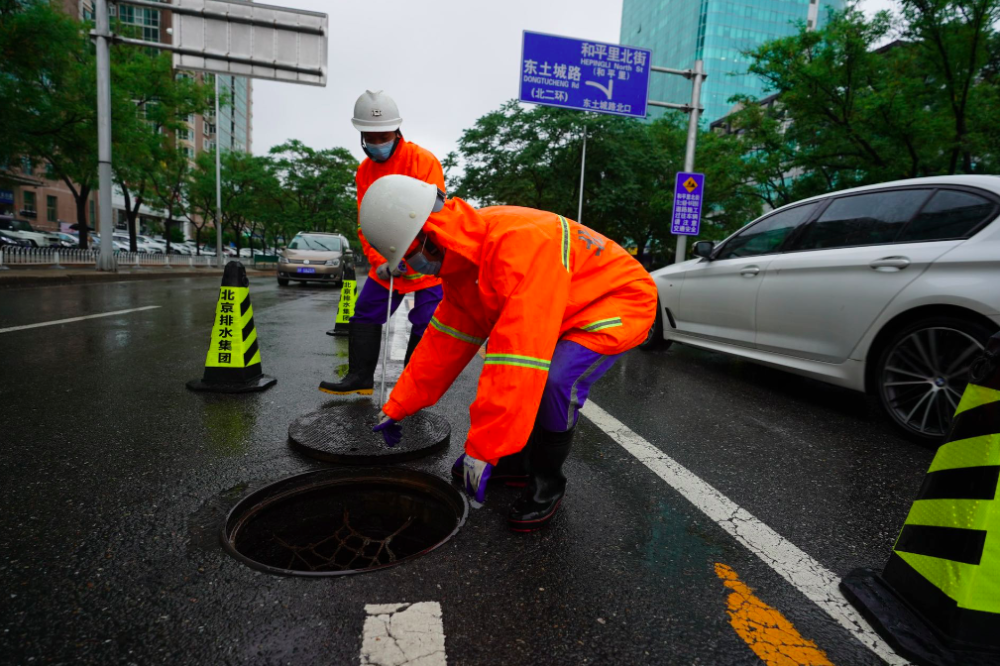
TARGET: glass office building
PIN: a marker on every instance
(717, 32)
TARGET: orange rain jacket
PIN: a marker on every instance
(409, 159)
(525, 279)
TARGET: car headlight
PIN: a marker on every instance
(333, 262)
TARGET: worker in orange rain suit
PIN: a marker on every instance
(376, 116)
(559, 303)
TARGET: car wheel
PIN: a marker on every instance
(923, 371)
(654, 339)
(282, 282)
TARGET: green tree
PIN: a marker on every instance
(956, 42)
(852, 109)
(198, 192)
(318, 191)
(530, 156)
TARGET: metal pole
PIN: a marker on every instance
(692, 137)
(583, 162)
(385, 346)
(219, 259)
(106, 259)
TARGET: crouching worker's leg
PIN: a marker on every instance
(573, 371)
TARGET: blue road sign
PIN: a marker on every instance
(584, 75)
(7, 196)
(689, 191)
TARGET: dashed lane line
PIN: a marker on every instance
(73, 319)
(403, 635)
(812, 579)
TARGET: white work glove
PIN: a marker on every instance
(477, 474)
(383, 271)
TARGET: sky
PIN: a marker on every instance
(445, 62)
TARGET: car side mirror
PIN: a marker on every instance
(703, 249)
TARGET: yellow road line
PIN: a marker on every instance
(768, 633)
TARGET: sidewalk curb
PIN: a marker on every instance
(49, 278)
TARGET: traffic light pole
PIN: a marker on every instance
(694, 109)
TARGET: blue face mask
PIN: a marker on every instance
(380, 152)
(421, 264)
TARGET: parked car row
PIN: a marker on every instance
(890, 289)
(22, 230)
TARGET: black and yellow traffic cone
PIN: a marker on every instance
(937, 602)
(345, 309)
(233, 361)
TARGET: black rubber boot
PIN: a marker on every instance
(411, 344)
(364, 344)
(546, 483)
(512, 470)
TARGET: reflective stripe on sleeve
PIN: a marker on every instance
(519, 361)
(565, 242)
(602, 324)
(458, 335)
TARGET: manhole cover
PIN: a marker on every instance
(342, 433)
(343, 521)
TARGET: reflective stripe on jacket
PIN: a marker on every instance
(409, 159)
(525, 279)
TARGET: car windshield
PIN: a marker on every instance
(15, 225)
(311, 242)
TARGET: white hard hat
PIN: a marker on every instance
(376, 112)
(393, 212)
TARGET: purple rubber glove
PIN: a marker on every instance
(477, 474)
(391, 431)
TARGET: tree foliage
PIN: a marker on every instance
(855, 106)
(530, 156)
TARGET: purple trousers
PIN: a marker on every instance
(374, 299)
(573, 371)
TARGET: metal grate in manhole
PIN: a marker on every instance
(342, 433)
(343, 521)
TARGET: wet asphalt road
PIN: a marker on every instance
(114, 481)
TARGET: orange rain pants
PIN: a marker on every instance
(525, 279)
(411, 160)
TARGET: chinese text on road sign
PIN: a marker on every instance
(688, 195)
(584, 75)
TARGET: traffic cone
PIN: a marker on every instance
(937, 602)
(233, 361)
(348, 297)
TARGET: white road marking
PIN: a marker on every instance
(816, 582)
(403, 635)
(72, 319)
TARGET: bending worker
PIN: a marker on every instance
(559, 303)
(377, 118)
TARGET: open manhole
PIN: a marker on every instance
(343, 521)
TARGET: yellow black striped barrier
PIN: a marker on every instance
(937, 602)
(233, 361)
(345, 308)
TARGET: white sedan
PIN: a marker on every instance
(891, 289)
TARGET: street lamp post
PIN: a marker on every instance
(106, 257)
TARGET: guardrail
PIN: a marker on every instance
(63, 257)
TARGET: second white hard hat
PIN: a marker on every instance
(376, 112)
(393, 212)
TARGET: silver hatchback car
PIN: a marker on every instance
(313, 256)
